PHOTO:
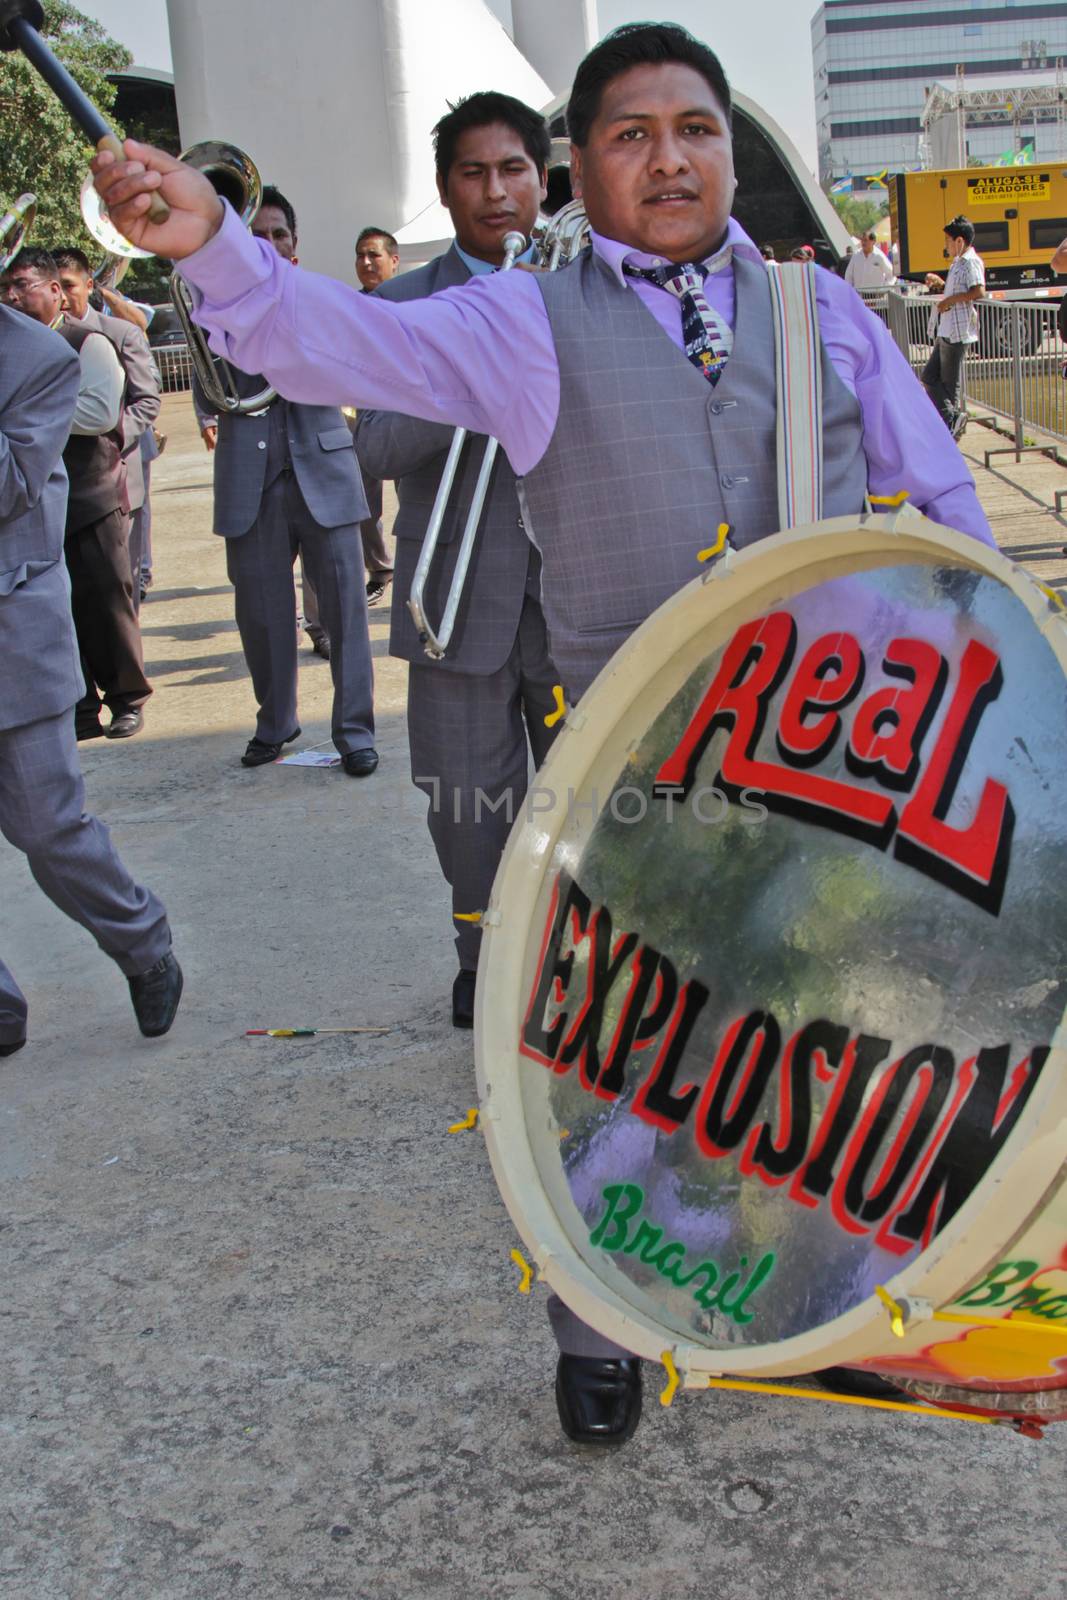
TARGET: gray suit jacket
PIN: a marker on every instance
(40, 672)
(320, 447)
(141, 402)
(504, 563)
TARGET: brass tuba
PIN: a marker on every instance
(15, 224)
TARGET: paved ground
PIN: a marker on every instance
(258, 1324)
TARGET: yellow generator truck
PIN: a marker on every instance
(1019, 216)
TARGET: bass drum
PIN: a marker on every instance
(770, 1007)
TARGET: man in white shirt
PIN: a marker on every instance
(871, 268)
(957, 323)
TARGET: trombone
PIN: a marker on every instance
(557, 243)
(15, 224)
(235, 177)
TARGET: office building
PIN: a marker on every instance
(875, 60)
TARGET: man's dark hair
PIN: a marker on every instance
(379, 233)
(36, 259)
(480, 111)
(274, 197)
(68, 255)
(960, 228)
(639, 44)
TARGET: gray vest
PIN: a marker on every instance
(647, 458)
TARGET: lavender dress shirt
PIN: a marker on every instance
(481, 356)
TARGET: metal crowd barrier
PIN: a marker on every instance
(1017, 370)
(175, 367)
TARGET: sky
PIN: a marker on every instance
(769, 61)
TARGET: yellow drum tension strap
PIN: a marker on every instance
(526, 1270)
(714, 549)
(667, 1361)
(466, 916)
(897, 499)
(469, 1121)
(561, 706)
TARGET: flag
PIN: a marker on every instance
(1005, 159)
(1025, 156)
(879, 178)
(842, 186)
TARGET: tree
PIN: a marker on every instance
(858, 215)
(42, 151)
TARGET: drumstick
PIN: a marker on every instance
(304, 1033)
(19, 22)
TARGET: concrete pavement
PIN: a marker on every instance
(259, 1328)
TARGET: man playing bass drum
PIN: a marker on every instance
(634, 395)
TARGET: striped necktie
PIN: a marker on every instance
(708, 339)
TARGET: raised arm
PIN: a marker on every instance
(451, 359)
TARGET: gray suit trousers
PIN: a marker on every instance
(260, 566)
(471, 737)
(42, 812)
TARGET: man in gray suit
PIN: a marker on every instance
(42, 798)
(141, 401)
(286, 479)
(475, 717)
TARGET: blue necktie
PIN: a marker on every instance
(707, 337)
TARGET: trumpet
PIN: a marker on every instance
(15, 224)
(557, 243)
(234, 176)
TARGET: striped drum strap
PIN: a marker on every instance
(798, 370)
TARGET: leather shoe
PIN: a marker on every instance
(88, 728)
(13, 1045)
(258, 753)
(155, 995)
(320, 643)
(376, 588)
(463, 998)
(865, 1385)
(599, 1401)
(359, 763)
(125, 725)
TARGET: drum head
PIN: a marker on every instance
(776, 960)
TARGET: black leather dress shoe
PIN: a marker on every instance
(258, 753)
(125, 725)
(463, 998)
(359, 763)
(865, 1385)
(599, 1400)
(88, 728)
(155, 995)
(13, 1045)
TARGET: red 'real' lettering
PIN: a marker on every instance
(753, 665)
(971, 860)
(827, 680)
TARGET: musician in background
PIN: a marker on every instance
(637, 419)
(286, 480)
(474, 718)
(98, 525)
(43, 392)
(141, 402)
(377, 261)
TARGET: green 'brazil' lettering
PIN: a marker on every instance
(645, 1241)
(1010, 1284)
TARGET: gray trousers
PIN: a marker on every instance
(260, 567)
(376, 557)
(942, 375)
(42, 812)
(471, 738)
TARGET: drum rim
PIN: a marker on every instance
(1027, 1168)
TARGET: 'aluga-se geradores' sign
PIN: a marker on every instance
(779, 1040)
